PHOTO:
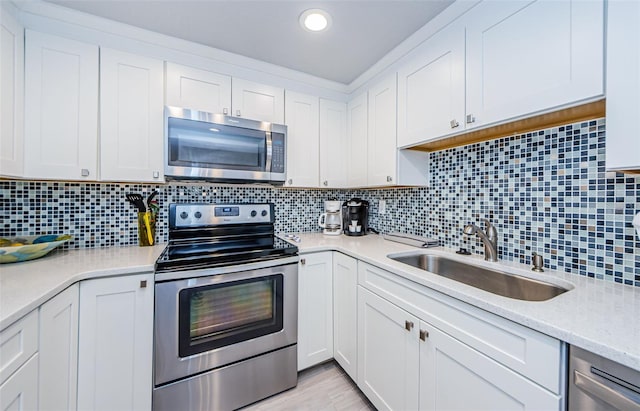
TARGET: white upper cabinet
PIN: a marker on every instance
(623, 85)
(381, 143)
(131, 121)
(431, 89)
(530, 56)
(357, 141)
(61, 107)
(257, 101)
(333, 144)
(302, 117)
(197, 89)
(11, 96)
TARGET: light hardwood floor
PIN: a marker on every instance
(323, 387)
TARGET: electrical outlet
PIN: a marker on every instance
(382, 206)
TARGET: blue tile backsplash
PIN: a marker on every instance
(545, 191)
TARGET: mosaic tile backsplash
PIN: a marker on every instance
(545, 191)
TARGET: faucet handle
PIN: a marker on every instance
(490, 230)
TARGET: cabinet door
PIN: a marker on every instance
(514, 68)
(20, 391)
(302, 117)
(381, 142)
(623, 85)
(257, 101)
(333, 144)
(448, 366)
(388, 353)
(61, 108)
(131, 121)
(315, 309)
(11, 96)
(357, 141)
(58, 353)
(201, 90)
(431, 89)
(116, 343)
(345, 309)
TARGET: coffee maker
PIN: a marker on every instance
(331, 219)
(355, 217)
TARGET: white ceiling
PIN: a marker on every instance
(362, 32)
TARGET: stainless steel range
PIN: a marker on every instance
(225, 330)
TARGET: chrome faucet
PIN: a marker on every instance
(489, 238)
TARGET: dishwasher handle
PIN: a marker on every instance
(604, 393)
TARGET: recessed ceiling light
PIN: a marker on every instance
(315, 20)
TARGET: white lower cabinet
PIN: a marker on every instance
(345, 313)
(58, 371)
(482, 362)
(388, 357)
(454, 376)
(116, 343)
(315, 309)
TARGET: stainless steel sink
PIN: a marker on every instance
(496, 282)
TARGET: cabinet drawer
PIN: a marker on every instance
(20, 391)
(528, 352)
(18, 343)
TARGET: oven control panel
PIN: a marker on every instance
(198, 215)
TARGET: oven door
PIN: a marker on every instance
(210, 321)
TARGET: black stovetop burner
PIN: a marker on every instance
(215, 235)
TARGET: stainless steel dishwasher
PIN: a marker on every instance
(596, 383)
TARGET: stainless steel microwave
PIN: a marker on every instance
(215, 147)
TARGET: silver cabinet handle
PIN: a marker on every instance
(225, 111)
(470, 119)
(601, 391)
(424, 334)
(238, 113)
(454, 123)
(389, 179)
(290, 181)
(408, 325)
(156, 174)
(84, 172)
(303, 261)
(325, 183)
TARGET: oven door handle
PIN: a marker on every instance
(607, 394)
(269, 144)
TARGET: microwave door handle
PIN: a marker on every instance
(269, 143)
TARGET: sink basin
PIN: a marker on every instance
(496, 282)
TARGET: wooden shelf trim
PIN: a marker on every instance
(587, 111)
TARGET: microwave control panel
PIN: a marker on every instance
(277, 153)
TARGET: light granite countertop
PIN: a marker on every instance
(599, 316)
(24, 286)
